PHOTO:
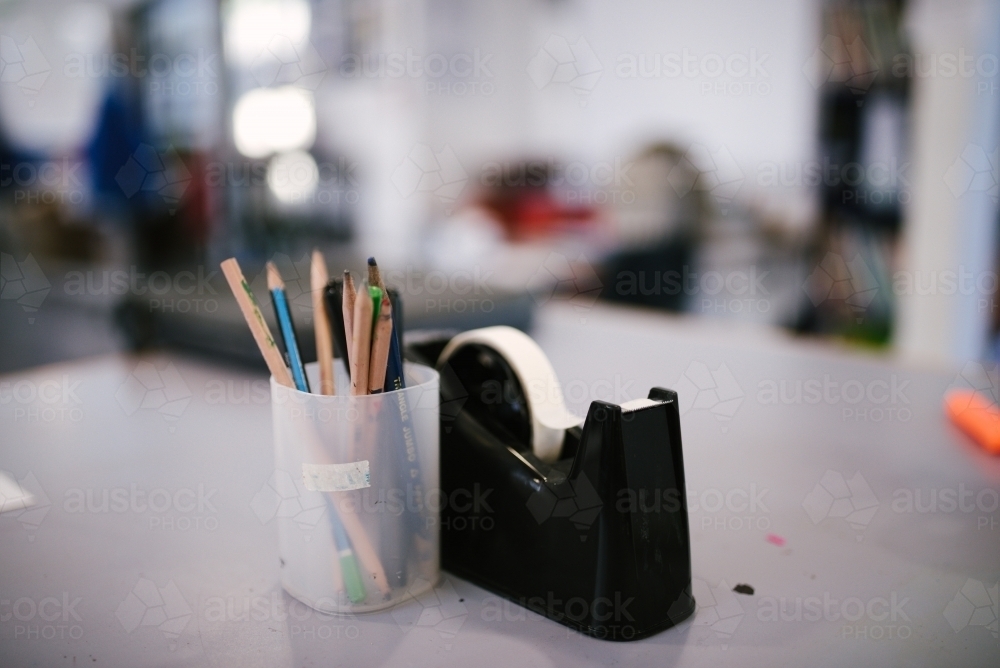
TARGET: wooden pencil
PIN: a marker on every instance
(374, 275)
(347, 308)
(362, 340)
(286, 327)
(321, 325)
(381, 338)
(255, 321)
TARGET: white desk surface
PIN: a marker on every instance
(73, 429)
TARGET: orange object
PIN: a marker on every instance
(977, 416)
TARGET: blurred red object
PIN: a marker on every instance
(528, 207)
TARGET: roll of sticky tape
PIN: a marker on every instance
(549, 416)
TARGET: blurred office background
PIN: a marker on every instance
(828, 167)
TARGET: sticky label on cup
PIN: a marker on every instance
(336, 477)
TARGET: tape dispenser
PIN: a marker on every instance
(581, 520)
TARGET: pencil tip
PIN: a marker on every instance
(274, 281)
(371, 262)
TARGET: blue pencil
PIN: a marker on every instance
(281, 311)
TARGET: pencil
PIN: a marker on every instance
(347, 308)
(394, 368)
(361, 339)
(321, 325)
(374, 275)
(386, 366)
(334, 298)
(255, 321)
(381, 339)
(284, 316)
(348, 572)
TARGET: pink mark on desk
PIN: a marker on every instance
(774, 539)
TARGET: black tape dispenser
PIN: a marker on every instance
(582, 521)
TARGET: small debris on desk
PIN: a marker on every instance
(775, 539)
(743, 589)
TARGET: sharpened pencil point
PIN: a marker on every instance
(274, 281)
(374, 275)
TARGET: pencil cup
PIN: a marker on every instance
(357, 493)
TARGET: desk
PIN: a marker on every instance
(179, 567)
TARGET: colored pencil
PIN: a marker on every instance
(348, 299)
(285, 326)
(381, 339)
(394, 379)
(334, 297)
(321, 325)
(361, 339)
(255, 321)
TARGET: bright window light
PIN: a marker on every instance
(292, 176)
(274, 120)
(252, 24)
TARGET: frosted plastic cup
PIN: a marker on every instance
(356, 492)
